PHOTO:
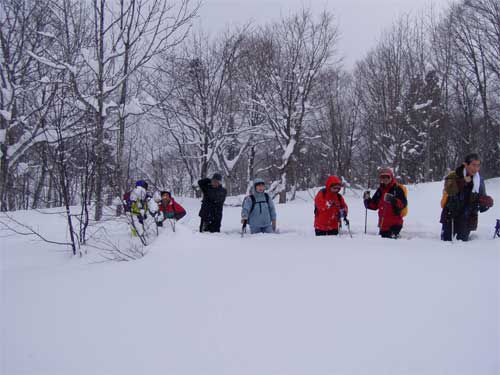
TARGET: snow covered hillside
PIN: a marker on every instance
(287, 303)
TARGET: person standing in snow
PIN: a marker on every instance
(258, 210)
(212, 203)
(169, 208)
(464, 196)
(139, 199)
(390, 201)
(329, 208)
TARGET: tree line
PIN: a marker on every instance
(97, 94)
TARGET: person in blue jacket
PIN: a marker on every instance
(258, 210)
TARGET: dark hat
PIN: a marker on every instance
(142, 183)
(217, 177)
(165, 192)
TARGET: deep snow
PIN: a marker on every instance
(285, 303)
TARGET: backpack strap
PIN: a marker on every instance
(252, 197)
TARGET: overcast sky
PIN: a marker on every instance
(360, 21)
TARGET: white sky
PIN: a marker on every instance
(360, 21)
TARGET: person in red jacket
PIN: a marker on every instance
(169, 208)
(389, 200)
(329, 208)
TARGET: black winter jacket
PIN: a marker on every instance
(213, 201)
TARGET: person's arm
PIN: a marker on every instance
(399, 201)
(485, 201)
(178, 209)
(372, 203)
(245, 208)
(343, 205)
(204, 184)
(224, 195)
(272, 209)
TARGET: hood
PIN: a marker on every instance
(332, 180)
(258, 181)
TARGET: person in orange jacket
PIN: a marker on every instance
(329, 208)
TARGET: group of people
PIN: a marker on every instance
(161, 205)
(464, 196)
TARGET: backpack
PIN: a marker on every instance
(323, 190)
(252, 197)
(127, 204)
(404, 211)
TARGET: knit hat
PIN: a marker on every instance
(217, 177)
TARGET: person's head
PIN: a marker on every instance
(216, 180)
(259, 185)
(166, 196)
(142, 184)
(472, 164)
(334, 184)
(385, 176)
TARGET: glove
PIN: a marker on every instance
(366, 195)
(389, 198)
(244, 221)
(274, 225)
(485, 201)
(346, 221)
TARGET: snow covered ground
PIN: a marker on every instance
(285, 303)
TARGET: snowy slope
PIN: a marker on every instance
(285, 303)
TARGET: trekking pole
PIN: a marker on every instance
(452, 229)
(244, 228)
(348, 225)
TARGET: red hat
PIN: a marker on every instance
(386, 171)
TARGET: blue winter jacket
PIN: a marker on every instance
(262, 213)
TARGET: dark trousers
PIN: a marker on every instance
(392, 232)
(460, 229)
(212, 226)
(326, 232)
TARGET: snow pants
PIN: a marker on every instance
(392, 232)
(333, 232)
(266, 229)
(460, 229)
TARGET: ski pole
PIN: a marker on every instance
(244, 228)
(348, 225)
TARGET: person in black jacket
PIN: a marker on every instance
(214, 196)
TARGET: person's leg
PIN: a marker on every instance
(461, 229)
(395, 230)
(268, 229)
(215, 226)
(254, 230)
(179, 215)
(385, 233)
(446, 231)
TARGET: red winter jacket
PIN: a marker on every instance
(172, 208)
(389, 213)
(328, 206)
